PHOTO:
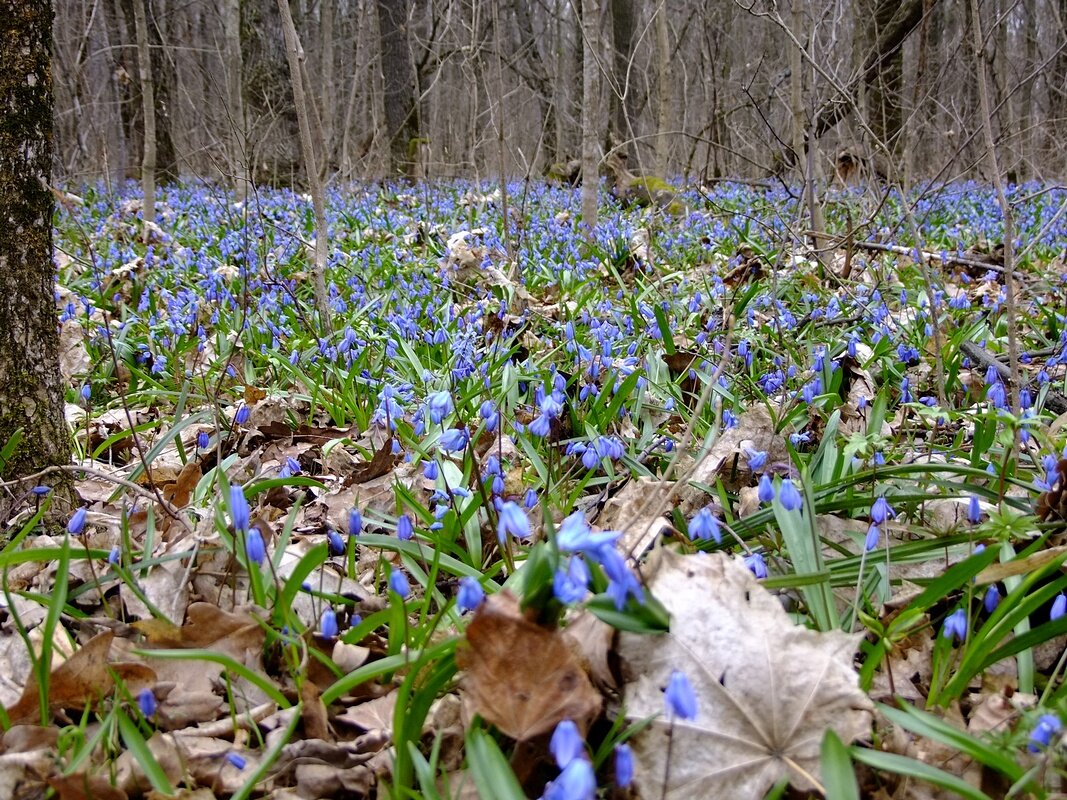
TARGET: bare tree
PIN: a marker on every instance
(305, 113)
(590, 111)
(31, 389)
(148, 159)
(402, 128)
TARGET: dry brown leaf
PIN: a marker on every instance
(1019, 566)
(727, 459)
(374, 715)
(82, 786)
(313, 713)
(83, 679)
(857, 383)
(21, 771)
(522, 677)
(766, 689)
(382, 463)
(637, 510)
(179, 492)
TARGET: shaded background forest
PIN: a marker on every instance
(439, 88)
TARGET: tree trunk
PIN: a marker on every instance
(905, 19)
(166, 158)
(399, 79)
(620, 97)
(884, 81)
(148, 109)
(238, 134)
(31, 389)
(304, 115)
(664, 81)
(590, 109)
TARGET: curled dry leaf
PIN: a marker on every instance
(766, 689)
(522, 677)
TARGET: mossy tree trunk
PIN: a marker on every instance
(31, 390)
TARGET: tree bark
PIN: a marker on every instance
(664, 82)
(891, 38)
(238, 133)
(619, 114)
(31, 388)
(402, 127)
(304, 116)
(590, 109)
(148, 109)
(166, 157)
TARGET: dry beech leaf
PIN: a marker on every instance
(766, 689)
(82, 786)
(84, 678)
(522, 677)
(381, 464)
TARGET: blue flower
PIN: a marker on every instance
(756, 458)
(624, 766)
(236, 760)
(529, 500)
(242, 415)
(328, 624)
(398, 583)
(453, 440)
(576, 782)
(1048, 725)
(974, 510)
(765, 492)
(114, 556)
(430, 470)
(202, 440)
(335, 542)
(874, 533)
(566, 743)
(1059, 607)
(405, 530)
(87, 392)
(470, 594)
(622, 582)
(789, 497)
(355, 522)
(77, 521)
(440, 406)
(146, 701)
(487, 411)
(680, 699)
(254, 546)
(991, 599)
(704, 525)
(512, 520)
(955, 626)
(757, 565)
(540, 426)
(881, 511)
(239, 510)
(570, 584)
(575, 536)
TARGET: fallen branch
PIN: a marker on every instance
(1054, 401)
(944, 258)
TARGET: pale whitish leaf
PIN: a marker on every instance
(767, 690)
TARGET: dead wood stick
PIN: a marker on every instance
(1054, 401)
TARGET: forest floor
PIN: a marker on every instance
(683, 509)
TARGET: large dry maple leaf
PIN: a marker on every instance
(767, 689)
